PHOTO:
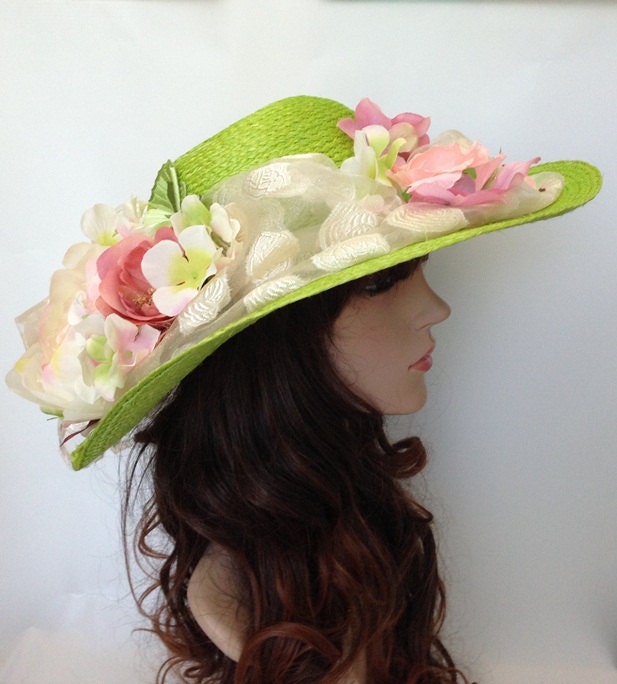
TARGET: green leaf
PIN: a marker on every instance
(166, 193)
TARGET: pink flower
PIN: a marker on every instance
(513, 174)
(123, 288)
(411, 127)
(458, 172)
(120, 348)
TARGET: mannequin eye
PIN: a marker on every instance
(380, 282)
(385, 280)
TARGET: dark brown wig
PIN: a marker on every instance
(263, 451)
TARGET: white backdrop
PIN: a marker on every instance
(521, 421)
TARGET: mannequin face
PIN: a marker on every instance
(381, 343)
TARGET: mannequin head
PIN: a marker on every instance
(267, 451)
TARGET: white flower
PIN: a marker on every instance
(177, 269)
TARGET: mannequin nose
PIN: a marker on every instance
(435, 310)
(441, 309)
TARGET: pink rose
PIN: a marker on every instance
(124, 289)
(460, 173)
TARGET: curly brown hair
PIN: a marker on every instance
(264, 452)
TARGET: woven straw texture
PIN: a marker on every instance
(279, 125)
(296, 125)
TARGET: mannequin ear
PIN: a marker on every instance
(212, 598)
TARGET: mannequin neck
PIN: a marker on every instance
(213, 599)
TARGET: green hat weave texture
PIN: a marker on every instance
(296, 125)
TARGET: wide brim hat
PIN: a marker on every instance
(292, 200)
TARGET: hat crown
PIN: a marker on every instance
(295, 125)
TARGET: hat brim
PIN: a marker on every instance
(582, 183)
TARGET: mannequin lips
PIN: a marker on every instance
(424, 364)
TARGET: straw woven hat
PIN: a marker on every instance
(290, 201)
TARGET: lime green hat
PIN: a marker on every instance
(294, 199)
